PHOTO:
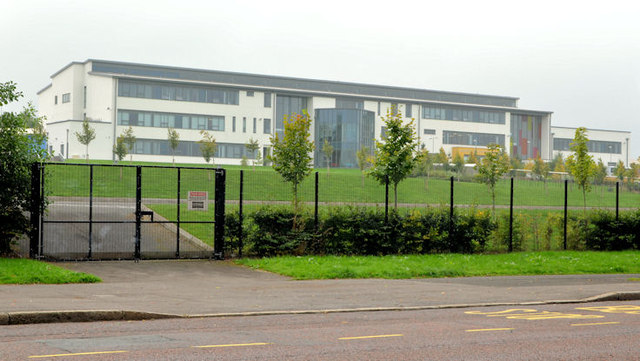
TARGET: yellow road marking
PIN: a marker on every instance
(78, 354)
(375, 336)
(628, 309)
(594, 324)
(531, 314)
(235, 345)
(490, 329)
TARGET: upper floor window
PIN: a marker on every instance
(267, 100)
(188, 93)
(55, 99)
(66, 97)
(249, 93)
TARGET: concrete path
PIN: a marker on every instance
(187, 288)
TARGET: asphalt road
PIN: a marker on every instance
(109, 240)
(593, 331)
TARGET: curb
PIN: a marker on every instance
(33, 317)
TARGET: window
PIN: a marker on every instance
(249, 93)
(188, 148)
(462, 114)
(55, 99)
(255, 125)
(394, 109)
(474, 139)
(378, 108)
(267, 100)
(62, 150)
(189, 93)
(383, 132)
(66, 97)
(244, 124)
(84, 98)
(164, 120)
(266, 126)
(348, 103)
(233, 124)
(409, 111)
(429, 131)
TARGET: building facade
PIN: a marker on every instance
(610, 146)
(236, 107)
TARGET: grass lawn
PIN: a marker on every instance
(449, 265)
(26, 271)
(340, 185)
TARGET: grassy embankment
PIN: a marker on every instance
(341, 185)
(449, 265)
(26, 271)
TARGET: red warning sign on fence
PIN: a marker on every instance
(198, 201)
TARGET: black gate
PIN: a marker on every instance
(106, 211)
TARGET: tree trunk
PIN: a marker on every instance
(395, 195)
(87, 153)
(362, 179)
(493, 201)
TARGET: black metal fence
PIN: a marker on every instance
(515, 199)
(104, 211)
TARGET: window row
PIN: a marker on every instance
(190, 149)
(594, 146)
(462, 114)
(187, 93)
(170, 120)
(474, 139)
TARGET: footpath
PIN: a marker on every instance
(201, 288)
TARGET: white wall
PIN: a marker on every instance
(609, 159)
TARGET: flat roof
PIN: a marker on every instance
(345, 88)
(596, 129)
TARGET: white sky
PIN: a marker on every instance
(579, 59)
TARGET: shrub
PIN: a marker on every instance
(605, 233)
(272, 232)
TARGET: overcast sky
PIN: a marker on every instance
(579, 59)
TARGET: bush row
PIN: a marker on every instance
(270, 231)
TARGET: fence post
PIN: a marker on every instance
(218, 241)
(617, 199)
(90, 211)
(566, 188)
(35, 210)
(136, 253)
(386, 200)
(315, 215)
(240, 215)
(451, 211)
(511, 218)
(178, 215)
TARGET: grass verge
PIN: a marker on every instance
(26, 271)
(449, 265)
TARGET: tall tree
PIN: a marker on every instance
(19, 150)
(174, 140)
(208, 146)
(491, 168)
(327, 150)
(396, 155)
(581, 164)
(130, 140)
(253, 146)
(363, 156)
(291, 155)
(86, 136)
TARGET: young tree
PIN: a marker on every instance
(291, 155)
(19, 151)
(174, 140)
(601, 173)
(541, 170)
(396, 156)
(473, 157)
(86, 136)
(458, 165)
(253, 147)
(425, 165)
(619, 171)
(130, 140)
(208, 146)
(443, 159)
(363, 156)
(581, 164)
(327, 150)
(120, 150)
(491, 168)
(557, 164)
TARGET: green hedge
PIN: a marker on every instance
(269, 231)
